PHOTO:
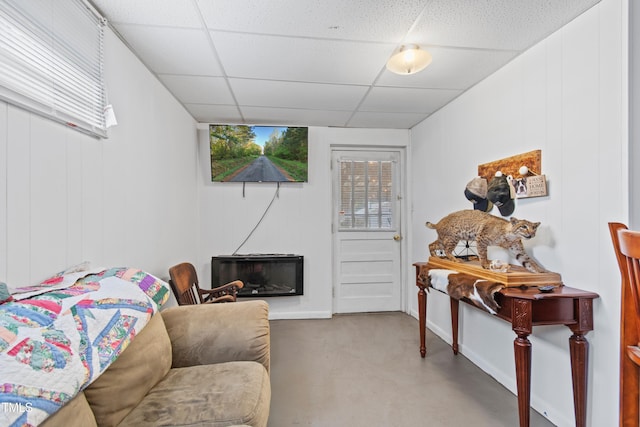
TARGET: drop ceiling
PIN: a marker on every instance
(322, 62)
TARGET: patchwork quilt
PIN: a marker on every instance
(57, 339)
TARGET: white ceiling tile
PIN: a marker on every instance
(174, 13)
(214, 113)
(494, 24)
(451, 69)
(407, 100)
(262, 93)
(374, 20)
(386, 120)
(294, 117)
(172, 50)
(300, 59)
(312, 62)
(198, 89)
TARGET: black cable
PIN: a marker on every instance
(259, 221)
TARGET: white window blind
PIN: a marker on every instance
(366, 195)
(51, 61)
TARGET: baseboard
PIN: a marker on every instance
(444, 335)
(299, 315)
(538, 403)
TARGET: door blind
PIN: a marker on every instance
(366, 194)
(51, 61)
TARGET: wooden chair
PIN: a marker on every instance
(626, 244)
(184, 282)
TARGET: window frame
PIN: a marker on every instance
(380, 214)
(52, 61)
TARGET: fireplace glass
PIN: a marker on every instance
(263, 275)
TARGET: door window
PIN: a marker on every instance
(366, 195)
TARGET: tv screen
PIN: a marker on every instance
(241, 153)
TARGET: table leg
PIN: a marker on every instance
(454, 323)
(522, 324)
(579, 350)
(422, 319)
(522, 351)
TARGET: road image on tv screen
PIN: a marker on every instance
(241, 153)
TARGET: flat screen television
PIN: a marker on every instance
(242, 153)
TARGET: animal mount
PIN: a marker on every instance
(487, 230)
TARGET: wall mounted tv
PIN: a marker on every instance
(242, 153)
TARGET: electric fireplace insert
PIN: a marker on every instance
(263, 275)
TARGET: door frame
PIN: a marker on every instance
(403, 219)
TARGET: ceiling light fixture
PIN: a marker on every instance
(408, 59)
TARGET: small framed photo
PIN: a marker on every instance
(530, 186)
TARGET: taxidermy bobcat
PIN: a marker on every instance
(486, 230)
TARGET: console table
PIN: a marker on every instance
(525, 307)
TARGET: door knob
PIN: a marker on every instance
(397, 237)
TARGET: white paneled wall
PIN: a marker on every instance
(130, 200)
(143, 197)
(3, 189)
(634, 112)
(566, 96)
(299, 221)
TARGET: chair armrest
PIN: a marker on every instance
(204, 334)
(224, 293)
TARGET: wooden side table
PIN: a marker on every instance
(525, 308)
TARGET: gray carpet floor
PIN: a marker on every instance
(366, 370)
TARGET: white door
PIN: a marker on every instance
(367, 231)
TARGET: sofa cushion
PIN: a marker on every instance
(223, 394)
(76, 413)
(204, 334)
(140, 367)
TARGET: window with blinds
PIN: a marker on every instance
(366, 195)
(51, 61)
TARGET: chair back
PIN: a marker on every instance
(626, 245)
(184, 282)
(630, 249)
